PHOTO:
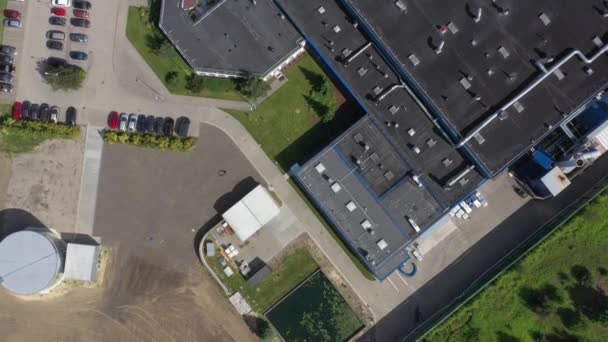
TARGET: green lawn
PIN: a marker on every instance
(293, 269)
(558, 292)
(139, 30)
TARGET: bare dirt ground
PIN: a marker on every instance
(46, 182)
(5, 175)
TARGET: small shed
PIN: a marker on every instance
(251, 213)
(259, 276)
(81, 262)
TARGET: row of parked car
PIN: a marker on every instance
(42, 112)
(7, 68)
(80, 18)
(12, 18)
(142, 123)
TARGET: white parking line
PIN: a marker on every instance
(404, 281)
(390, 281)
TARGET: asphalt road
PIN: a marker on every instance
(402, 322)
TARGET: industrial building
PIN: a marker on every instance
(454, 93)
(230, 38)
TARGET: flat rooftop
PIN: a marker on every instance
(234, 36)
(397, 136)
(483, 63)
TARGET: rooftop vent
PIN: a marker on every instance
(366, 224)
(413, 59)
(411, 132)
(413, 224)
(559, 74)
(321, 9)
(401, 6)
(336, 29)
(588, 70)
(503, 51)
(393, 109)
(389, 175)
(431, 142)
(351, 206)
(320, 168)
(518, 106)
(464, 82)
(416, 179)
(358, 138)
(416, 149)
(377, 90)
(382, 244)
(544, 18)
(479, 138)
(336, 187)
(598, 41)
(452, 27)
(362, 71)
(447, 162)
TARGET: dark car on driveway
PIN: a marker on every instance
(158, 125)
(8, 50)
(79, 37)
(25, 113)
(168, 127)
(141, 123)
(83, 5)
(6, 87)
(6, 77)
(43, 115)
(150, 124)
(54, 45)
(79, 22)
(70, 116)
(182, 125)
(34, 109)
(57, 21)
(6, 59)
(79, 55)
(7, 68)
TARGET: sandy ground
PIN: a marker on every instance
(5, 175)
(46, 183)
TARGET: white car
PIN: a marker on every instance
(132, 123)
(124, 118)
(62, 3)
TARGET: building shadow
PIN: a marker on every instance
(13, 220)
(229, 199)
(81, 239)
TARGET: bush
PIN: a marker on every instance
(171, 77)
(195, 83)
(253, 88)
(65, 77)
(581, 274)
(571, 319)
(57, 130)
(172, 143)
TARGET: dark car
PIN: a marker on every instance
(7, 68)
(6, 77)
(6, 87)
(54, 45)
(8, 50)
(168, 127)
(83, 5)
(70, 116)
(158, 125)
(58, 21)
(34, 109)
(182, 125)
(79, 37)
(43, 114)
(25, 112)
(79, 55)
(79, 22)
(55, 62)
(141, 123)
(6, 59)
(150, 124)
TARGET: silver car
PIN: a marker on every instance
(12, 23)
(124, 118)
(132, 123)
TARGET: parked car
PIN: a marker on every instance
(124, 119)
(182, 125)
(12, 14)
(79, 37)
(17, 110)
(70, 116)
(54, 45)
(12, 23)
(58, 21)
(6, 59)
(168, 127)
(43, 114)
(141, 123)
(158, 125)
(81, 13)
(113, 120)
(80, 22)
(34, 109)
(62, 3)
(55, 62)
(83, 5)
(55, 35)
(6, 87)
(54, 114)
(58, 11)
(25, 113)
(6, 77)
(132, 123)
(7, 67)
(79, 55)
(150, 124)
(8, 50)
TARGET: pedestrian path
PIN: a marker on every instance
(90, 179)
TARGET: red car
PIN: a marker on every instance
(113, 120)
(17, 108)
(81, 13)
(12, 14)
(60, 12)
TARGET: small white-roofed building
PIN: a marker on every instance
(81, 262)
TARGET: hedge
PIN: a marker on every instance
(164, 143)
(58, 130)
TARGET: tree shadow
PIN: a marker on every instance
(318, 82)
(13, 220)
(319, 108)
(581, 274)
(502, 336)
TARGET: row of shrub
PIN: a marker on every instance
(165, 143)
(58, 130)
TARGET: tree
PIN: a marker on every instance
(171, 77)
(253, 88)
(65, 77)
(195, 83)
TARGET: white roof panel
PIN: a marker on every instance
(261, 204)
(242, 221)
(81, 262)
